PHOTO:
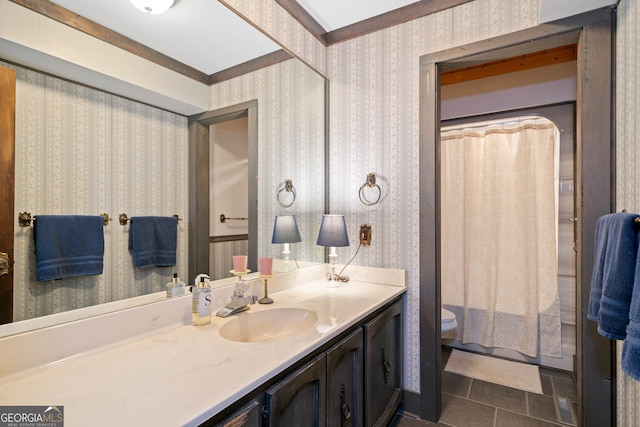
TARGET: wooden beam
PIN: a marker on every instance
(509, 65)
(301, 15)
(249, 66)
(395, 17)
(398, 16)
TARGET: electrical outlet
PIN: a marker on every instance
(365, 235)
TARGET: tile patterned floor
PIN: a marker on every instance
(473, 403)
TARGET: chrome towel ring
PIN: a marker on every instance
(370, 183)
(288, 188)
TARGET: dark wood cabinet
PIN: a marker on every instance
(383, 365)
(300, 398)
(247, 416)
(325, 392)
(353, 381)
(345, 370)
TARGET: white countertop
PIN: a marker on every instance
(185, 374)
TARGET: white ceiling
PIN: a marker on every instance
(207, 36)
(334, 14)
(203, 34)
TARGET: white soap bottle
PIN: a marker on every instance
(201, 305)
(175, 287)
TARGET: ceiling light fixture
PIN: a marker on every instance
(154, 7)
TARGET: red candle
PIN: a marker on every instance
(265, 266)
(239, 263)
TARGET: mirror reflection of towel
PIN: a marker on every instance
(68, 245)
(153, 241)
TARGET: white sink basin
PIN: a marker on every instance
(268, 325)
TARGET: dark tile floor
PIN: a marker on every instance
(473, 403)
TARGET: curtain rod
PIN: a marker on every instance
(489, 123)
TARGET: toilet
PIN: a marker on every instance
(448, 320)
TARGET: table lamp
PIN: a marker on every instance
(333, 233)
(285, 230)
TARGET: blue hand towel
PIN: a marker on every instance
(616, 249)
(153, 240)
(68, 245)
(630, 360)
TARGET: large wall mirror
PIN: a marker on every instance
(83, 150)
(284, 107)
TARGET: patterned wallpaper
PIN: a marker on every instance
(82, 151)
(627, 158)
(291, 145)
(220, 257)
(271, 18)
(374, 128)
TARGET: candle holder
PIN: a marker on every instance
(240, 273)
(265, 299)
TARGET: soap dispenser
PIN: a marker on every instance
(201, 306)
(175, 287)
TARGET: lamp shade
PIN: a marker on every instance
(285, 230)
(333, 231)
(153, 7)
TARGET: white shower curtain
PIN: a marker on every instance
(499, 197)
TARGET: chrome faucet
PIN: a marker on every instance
(239, 302)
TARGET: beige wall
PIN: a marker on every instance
(291, 126)
(271, 18)
(374, 128)
(627, 161)
(228, 177)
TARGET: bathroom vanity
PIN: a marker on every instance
(330, 353)
(354, 380)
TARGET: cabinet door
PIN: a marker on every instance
(344, 382)
(300, 398)
(383, 366)
(247, 416)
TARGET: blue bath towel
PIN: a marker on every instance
(68, 245)
(630, 361)
(153, 240)
(616, 249)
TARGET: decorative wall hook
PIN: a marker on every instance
(370, 183)
(123, 218)
(288, 188)
(24, 219)
(105, 218)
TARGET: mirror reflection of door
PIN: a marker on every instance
(7, 178)
(228, 194)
